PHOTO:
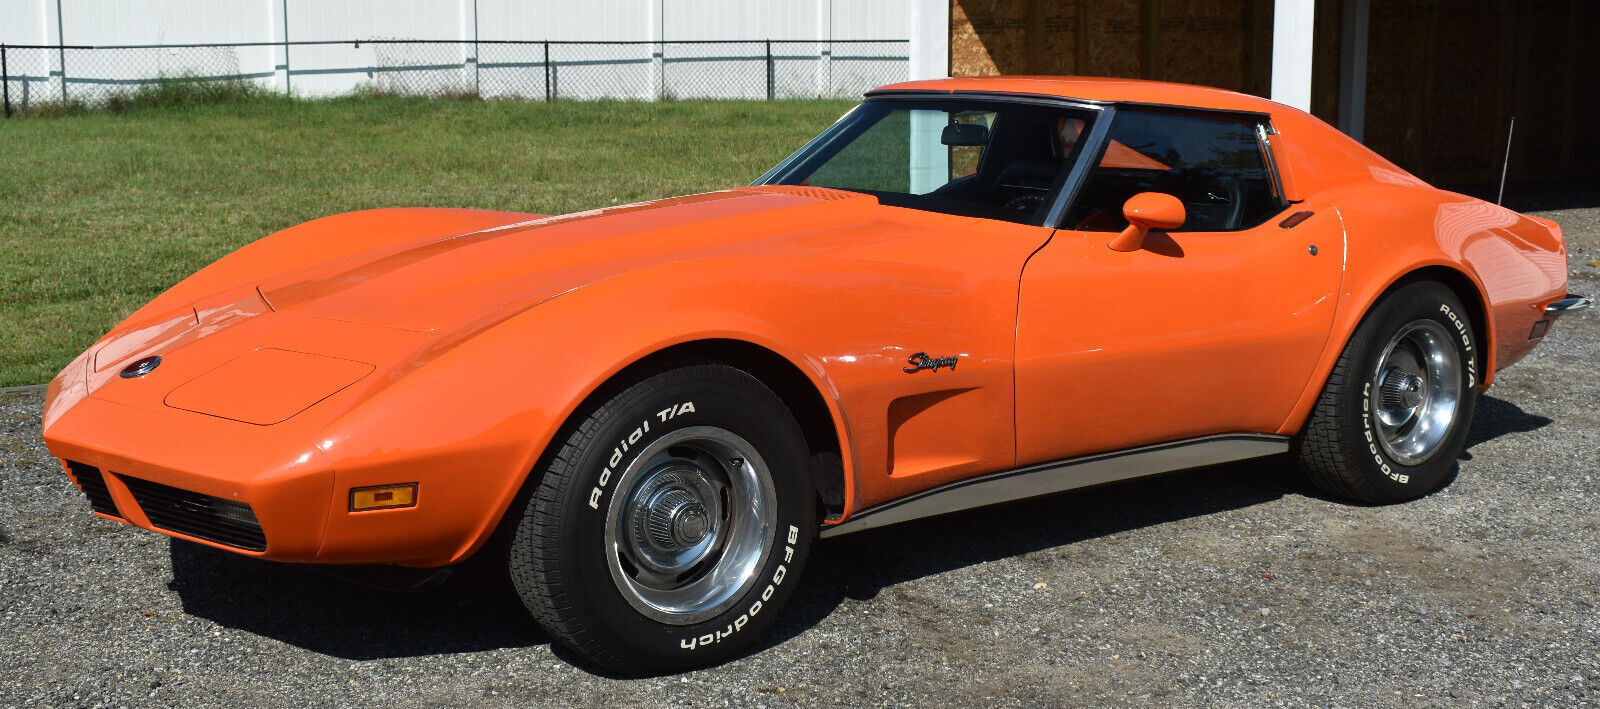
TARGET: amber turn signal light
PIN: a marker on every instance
(382, 497)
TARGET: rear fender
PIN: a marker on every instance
(1388, 239)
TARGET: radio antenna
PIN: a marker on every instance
(1506, 164)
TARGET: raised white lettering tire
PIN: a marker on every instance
(1392, 419)
(670, 525)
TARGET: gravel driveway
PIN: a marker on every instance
(1233, 585)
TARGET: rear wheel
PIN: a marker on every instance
(1392, 419)
(671, 525)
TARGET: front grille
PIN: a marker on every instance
(93, 483)
(203, 516)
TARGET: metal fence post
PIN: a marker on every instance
(5, 78)
(771, 74)
(477, 55)
(549, 88)
(287, 89)
(61, 50)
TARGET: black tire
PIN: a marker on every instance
(577, 586)
(1343, 449)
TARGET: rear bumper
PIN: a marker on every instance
(1568, 304)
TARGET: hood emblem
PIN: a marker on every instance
(141, 367)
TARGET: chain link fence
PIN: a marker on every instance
(41, 75)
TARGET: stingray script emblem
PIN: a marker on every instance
(921, 361)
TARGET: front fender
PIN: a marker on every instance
(470, 415)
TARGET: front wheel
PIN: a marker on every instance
(1392, 419)
(671, 525)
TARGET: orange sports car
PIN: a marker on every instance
(964, 292)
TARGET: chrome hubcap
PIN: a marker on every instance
(691, 524)
(1418, 391)
(669, 527)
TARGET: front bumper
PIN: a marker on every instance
(196, 477)
(201, 472)
(282, 492)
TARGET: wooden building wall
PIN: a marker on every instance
(1225, 43)
(1443, 76)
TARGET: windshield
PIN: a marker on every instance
(992, 159)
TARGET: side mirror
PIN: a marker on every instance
(1146, 211)
(963, 134)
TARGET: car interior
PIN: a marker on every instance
(1017, 157)
(1216, 168)
(1021, 161)
(1014, 161)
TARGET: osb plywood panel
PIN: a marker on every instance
(1112, 46)
(988, 37)
(1224, 43)
(1202, 42)
(1054, 38)
(1042, 37)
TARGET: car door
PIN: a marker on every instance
(917, 325)
(1209, 328)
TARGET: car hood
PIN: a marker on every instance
(306, 333)
(439, 283)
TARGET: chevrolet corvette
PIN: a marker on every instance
(964, 292)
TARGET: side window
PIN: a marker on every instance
(904, 152)
(1216, 166)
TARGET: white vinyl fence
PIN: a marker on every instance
(90, 50)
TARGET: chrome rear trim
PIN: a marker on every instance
(1059, 476)
(1568, 304)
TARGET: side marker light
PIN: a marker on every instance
(383, 497)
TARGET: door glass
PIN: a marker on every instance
(1215, 165)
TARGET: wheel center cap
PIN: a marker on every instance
(1411, 392)
(1401, 392)
(690, 524)
(677, 520)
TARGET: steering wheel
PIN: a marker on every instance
(1232, 195)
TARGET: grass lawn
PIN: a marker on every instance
(99, 212)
